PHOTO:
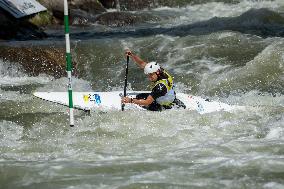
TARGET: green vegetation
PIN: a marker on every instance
(42, 19)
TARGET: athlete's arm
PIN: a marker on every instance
(143, 102)
(140, 102)
(141, 63)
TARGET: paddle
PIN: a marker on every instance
(125, 81)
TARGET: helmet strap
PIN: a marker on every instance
(158, 72)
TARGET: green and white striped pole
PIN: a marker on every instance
(68, 63)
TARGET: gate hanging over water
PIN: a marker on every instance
(21, 8)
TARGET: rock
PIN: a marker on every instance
(109, 4)
(90, 6)
(37, 60)
(132, 5)
(20, 29)
(124, 18)
(81, 10)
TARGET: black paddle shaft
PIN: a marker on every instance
(125, 81)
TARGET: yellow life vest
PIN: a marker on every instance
(169, 97)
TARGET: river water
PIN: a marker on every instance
(241, 64)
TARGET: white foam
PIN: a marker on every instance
(276, 133)
(17, 81)
(256, 98)
(12, 75)
(273, 185)
(201, 12)
(10, 133)
(266, 68)
(60, 85)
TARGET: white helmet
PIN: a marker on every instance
(151, 67)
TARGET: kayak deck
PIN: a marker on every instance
(109, 101)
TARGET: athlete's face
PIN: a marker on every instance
(153, 76)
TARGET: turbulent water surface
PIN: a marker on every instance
(222, 51)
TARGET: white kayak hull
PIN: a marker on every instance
(109, 101)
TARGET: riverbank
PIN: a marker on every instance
(82, 13)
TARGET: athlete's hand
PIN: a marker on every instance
(128, 53)
(125, 100)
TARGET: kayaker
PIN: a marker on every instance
(162, 95)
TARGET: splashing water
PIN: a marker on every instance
(169, 149)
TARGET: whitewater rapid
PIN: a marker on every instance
(169, 149)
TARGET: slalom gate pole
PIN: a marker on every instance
(68, 63)
(125, 81)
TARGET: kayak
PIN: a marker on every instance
(111, 101)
